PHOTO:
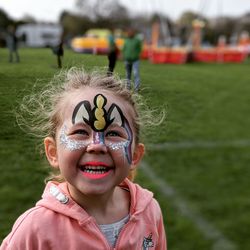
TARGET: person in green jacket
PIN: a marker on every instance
(131, 54)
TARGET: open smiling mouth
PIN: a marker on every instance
(95, 170)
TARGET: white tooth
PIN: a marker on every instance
(95, 167)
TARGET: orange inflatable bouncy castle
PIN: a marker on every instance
(163, 54)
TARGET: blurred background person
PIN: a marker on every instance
(112, 53)
(12, 43)
(58, 51)
(131, 54)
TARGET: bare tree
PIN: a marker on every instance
(99, 9)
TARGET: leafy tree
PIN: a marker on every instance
(4, 22)
(4, 19)
(244, 23)
(74, 24)
(220, 26)
(102, 10)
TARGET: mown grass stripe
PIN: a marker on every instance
(198, 144)
(210, 232)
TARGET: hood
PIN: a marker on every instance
(140, 197)
(57, 198)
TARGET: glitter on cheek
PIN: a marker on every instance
(70, 144)
(118, 145)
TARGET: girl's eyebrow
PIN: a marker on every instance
(77, 125)
(115, 124)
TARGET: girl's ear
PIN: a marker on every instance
(51, 151)
(138, 154)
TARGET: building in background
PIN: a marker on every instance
(39, 34)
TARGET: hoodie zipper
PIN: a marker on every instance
(122, 232)
(119, 237)
(102, 235)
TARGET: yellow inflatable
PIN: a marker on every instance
(95, 41)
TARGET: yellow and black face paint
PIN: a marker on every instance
(98, 118)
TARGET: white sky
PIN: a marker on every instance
(49, 10)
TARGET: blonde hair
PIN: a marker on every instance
(41, 112)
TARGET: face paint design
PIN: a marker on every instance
(99, 119)
(99, 112)
(73, 145)
(70, 144)
(118, 145)
(98, 138)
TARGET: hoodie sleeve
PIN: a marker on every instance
(162, 243)
(24, 235)
(162, 239)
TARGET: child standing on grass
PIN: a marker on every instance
(91, 127)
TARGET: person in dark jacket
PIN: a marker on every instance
(58, 51)
(112, 53)
(12, 44)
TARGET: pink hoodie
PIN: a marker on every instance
(58, 223)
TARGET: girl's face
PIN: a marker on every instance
(94, 147)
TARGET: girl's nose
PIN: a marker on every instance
(98, 144)
(97, 148)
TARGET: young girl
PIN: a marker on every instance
(91, 128)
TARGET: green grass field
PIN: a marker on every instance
(197, 161)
